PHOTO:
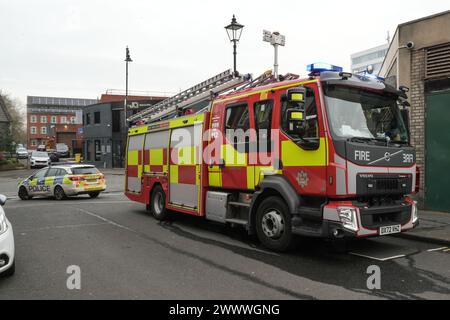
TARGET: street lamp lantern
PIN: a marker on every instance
(127, 55)
(234, 31)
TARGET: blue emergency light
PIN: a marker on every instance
(319, 67)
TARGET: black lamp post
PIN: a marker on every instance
(127, 60)
(234, 31)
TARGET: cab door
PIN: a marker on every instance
(303, 154)
(235, 171)
(263, 141)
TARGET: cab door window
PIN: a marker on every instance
(237, 125)
(263, 124)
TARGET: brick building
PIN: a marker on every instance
(57, 120)
(419, 58)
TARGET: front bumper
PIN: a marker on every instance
(368, 220)
(40, 163)
(75, 190)
(7, 250)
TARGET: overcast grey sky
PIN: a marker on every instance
(70, 48)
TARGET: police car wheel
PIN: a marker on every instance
(59, 193)
(273, 224)
(158, 204)
(23, 194)
(94, 195)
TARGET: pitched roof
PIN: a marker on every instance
(4, 114)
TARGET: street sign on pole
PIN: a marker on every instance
(276, 39)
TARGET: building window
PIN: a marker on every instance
(33, 119)
(98, 151)
(54, 119)
(72, 120)
(43, 130)
(116, 120)
(64, 120)
(97, 117)
(88, 150)
(43, 119)
(88, 118)
(33, 130)
(33, 143)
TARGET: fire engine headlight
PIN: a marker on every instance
(3, 224)
(348, 218)
(414, 213)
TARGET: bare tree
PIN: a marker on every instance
(17, 113)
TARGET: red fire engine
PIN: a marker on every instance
(327, 156)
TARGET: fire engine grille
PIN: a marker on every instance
(438, 61)
(383, 184)
(386, 184)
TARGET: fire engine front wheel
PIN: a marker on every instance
(273, 224)
(158, 204)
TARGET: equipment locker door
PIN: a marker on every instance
(134, 163)
(184, 171)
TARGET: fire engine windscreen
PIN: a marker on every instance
(358, 113)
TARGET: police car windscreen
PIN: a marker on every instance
(85, 170)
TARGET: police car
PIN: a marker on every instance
(62, 181)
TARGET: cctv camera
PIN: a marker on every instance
(410, 45)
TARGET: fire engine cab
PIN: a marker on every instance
(326, 156)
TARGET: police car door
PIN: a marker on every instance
(36, 186)
(49, 181)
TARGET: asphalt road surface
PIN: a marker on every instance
(123, 253)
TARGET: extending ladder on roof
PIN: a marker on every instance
(204, 91)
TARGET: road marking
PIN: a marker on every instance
(66, 203)
(105, 220)
(375, 258)
(62, 227)
(438, 249)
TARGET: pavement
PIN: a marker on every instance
(434, 227)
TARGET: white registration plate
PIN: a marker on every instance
(390, 230)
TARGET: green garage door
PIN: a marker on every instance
(437, 177)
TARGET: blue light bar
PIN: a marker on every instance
(319, 67)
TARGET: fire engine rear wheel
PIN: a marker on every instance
(273, 224)
(158, 204)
